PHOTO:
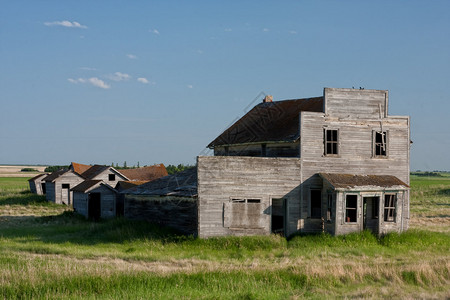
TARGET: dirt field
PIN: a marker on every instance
(14, 171)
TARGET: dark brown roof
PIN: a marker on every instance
(349, 181)
(55, 175)
(85, 185)
(94, 171)
(38, 176)
(145, 173)
(79, 168)
(183, 184)
(269, 122)
(125, 185)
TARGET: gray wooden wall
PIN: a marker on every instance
(67, 178)
(221, 178)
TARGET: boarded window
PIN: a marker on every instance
(331, 142)
(316, 204)
(243, 213)
(112, 177)
(380, 143)
(351, 204)
(390, 202)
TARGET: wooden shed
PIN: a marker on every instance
(37, 184)
(94, 199)
(58, 185)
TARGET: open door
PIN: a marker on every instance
(371, 213)
(279, 216)
(94, 211)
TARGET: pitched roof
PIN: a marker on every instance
(183, 184)
(87, 185)
(269, 122)
(351, 181)
(79, 168)
(94, 171)
(38, 176)
(125, 185)
(55, 175)
(145, 173)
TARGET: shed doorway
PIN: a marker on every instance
(371, 207)
(65, 194)
(279, 216)
(94, 206)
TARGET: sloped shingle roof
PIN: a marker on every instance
(85, 185)
(145, 173)
(124, 185)
(79, 168)
(350, 181)
(38, 176)
(183, 184)
(55, 175)
(94, 171)
(269, 122)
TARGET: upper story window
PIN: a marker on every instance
(380, 143)
(112, 177)
(331, 141)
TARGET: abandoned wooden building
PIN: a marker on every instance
(58, 185)
(336, 163)
(37, 184)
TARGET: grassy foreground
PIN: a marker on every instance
(47, 251)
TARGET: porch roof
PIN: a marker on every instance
(363, 182)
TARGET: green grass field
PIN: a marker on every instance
(47, 251)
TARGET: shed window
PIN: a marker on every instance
(390, 202)
(316, 204)
(244, 200)
(351, 204)
(380, 143)
(112, 177)
(66, 186)
(331, 142)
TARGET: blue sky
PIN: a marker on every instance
(156, 81)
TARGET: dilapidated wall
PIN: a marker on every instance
(235, 194)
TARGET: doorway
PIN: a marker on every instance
(279, 216)
(65, 194)
(371, 211)
(94, 210)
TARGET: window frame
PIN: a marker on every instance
(245, 200)
(326, 142)
(346, 208)
(375, 144)
(390, 212)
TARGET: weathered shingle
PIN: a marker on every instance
(269, 122)
(145, 173)
(79, 168)
(85, 185)
(349, 181)
(94, 171)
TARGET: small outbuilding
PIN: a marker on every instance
(37, 184)
(58, 185)
(94, 199)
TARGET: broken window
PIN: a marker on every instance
(331, 142)
(244, 200)
(390, 202)
(112, 177)
(316, 204)
(329, 207)
(380, 143)
(351, 204)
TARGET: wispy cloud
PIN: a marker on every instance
(143, 80)
(190, 86)
(228, 29)
(265, 29)
(93, 81)
(132, 56)
(155, 31)
(66, 24)
(293, 32)
(118, 76)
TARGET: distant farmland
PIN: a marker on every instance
(15, 171)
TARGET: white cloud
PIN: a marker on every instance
(143, 80)
(293, 32)
(118, 76)
(155, 31)
(132, 56)
(190, 86)
(65, 24)
(93, 80)
(265, 29)
(228, 29)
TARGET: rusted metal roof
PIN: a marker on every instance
(145, 173)
(351, 181)
(181, 184)
(269, 122)
(79, 168)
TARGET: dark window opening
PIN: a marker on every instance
(263, 150)
(278, 215)
(380, 143)
(238, 200)
(66, 186)
(375, 207)
(351, 202)
(329, 207)
(112, 177)
(316, 204)
(390, 202)
(331, 142)
(243, 200)
(253, 200)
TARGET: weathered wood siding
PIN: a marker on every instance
(351, 102)
(223, 178)
(80, 203)
(179, 213)
(69, 178)
(355, 154)
(257, 150)
(50, 195)
(104, 176)
(33, 187)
